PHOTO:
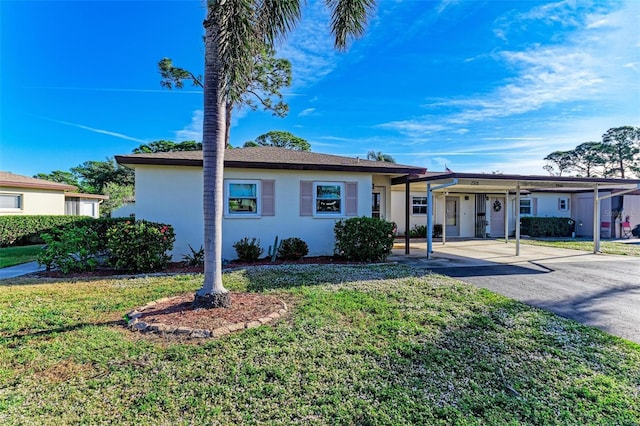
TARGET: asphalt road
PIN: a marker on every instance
(597, 290)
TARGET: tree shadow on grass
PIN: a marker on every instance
(16, 337)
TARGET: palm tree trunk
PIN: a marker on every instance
(213, 294)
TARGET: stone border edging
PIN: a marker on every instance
(134, 323)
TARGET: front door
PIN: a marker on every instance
(377, 202)
(496, 218)
(452, 218)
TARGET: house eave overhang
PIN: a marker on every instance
(479, 182)
(274, 166)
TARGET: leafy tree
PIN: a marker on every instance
(589, 159)
(118, 195)
(234, 33)
(280, 139)
(379, 156)
(168, 146)
(60, 176)
(559, 162)
(268, 76)
(94, 175)
(622, 150)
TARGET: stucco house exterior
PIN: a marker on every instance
(476, 205)
(268, 192)
(23, 195)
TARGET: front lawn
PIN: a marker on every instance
(361, 345)
(10, 256)
(607, 247)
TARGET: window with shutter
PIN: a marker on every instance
(268, 197)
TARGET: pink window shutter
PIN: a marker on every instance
(306, 198)
(351, 198)
(268, 198)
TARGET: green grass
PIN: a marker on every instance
(361, 345)
(606, 247)
(10, 256)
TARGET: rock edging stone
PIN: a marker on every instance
(134, 323)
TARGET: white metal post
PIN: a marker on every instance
(429, 221)
(518, 219)
(596, 220)
(506, 217)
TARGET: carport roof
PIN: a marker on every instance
(483, 182)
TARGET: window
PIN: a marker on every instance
(525, 206)
(563, 204)
(328, 198)
(419, 205)
(241, 197)
(10, 201)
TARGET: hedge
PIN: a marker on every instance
(24, 230)
(547, 226)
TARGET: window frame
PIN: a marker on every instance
(420, 205)
(342, 199)
(529, 206)
(227, 195)
(19, 197)
(567, 204)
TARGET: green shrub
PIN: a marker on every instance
(27, 230)
(437, 230)
(71, 249)
(546, 226)
(248, 250)
(195, 258)
(366, 239)
(293, 249)
(418, 231)
(100, 226)
(140, 246)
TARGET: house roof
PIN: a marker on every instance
(86, 196)
(11, 180)
(272, 158)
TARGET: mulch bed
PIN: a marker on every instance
(181, 268)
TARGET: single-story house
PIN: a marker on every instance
(268, 192)
(271, 192)
(23, 195)
(478, 205)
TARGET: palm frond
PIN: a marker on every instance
(348, 19)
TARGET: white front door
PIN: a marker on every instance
(452, 217)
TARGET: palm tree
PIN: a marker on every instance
(234, 31)
(379, 156)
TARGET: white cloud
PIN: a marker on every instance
(96, 130)
(589, 66)
(306, 112)
(193, 130)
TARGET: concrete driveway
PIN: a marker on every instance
(597, 290)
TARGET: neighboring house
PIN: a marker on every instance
(268, 192)
(23, 195)
(484, 205)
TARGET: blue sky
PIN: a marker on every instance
(480, 86)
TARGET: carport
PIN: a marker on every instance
(481, 185)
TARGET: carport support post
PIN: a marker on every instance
(407, 199)
(506, 217)
(429, 221)
(596, 220)
(444, 219)
(518, 219)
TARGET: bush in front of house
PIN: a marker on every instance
(27, 230)
(140, 246)
(248, 250)
(70, 249)
(546, 226)
(367, 239)
(100, 226)
(293, 249)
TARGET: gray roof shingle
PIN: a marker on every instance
(272, 158)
